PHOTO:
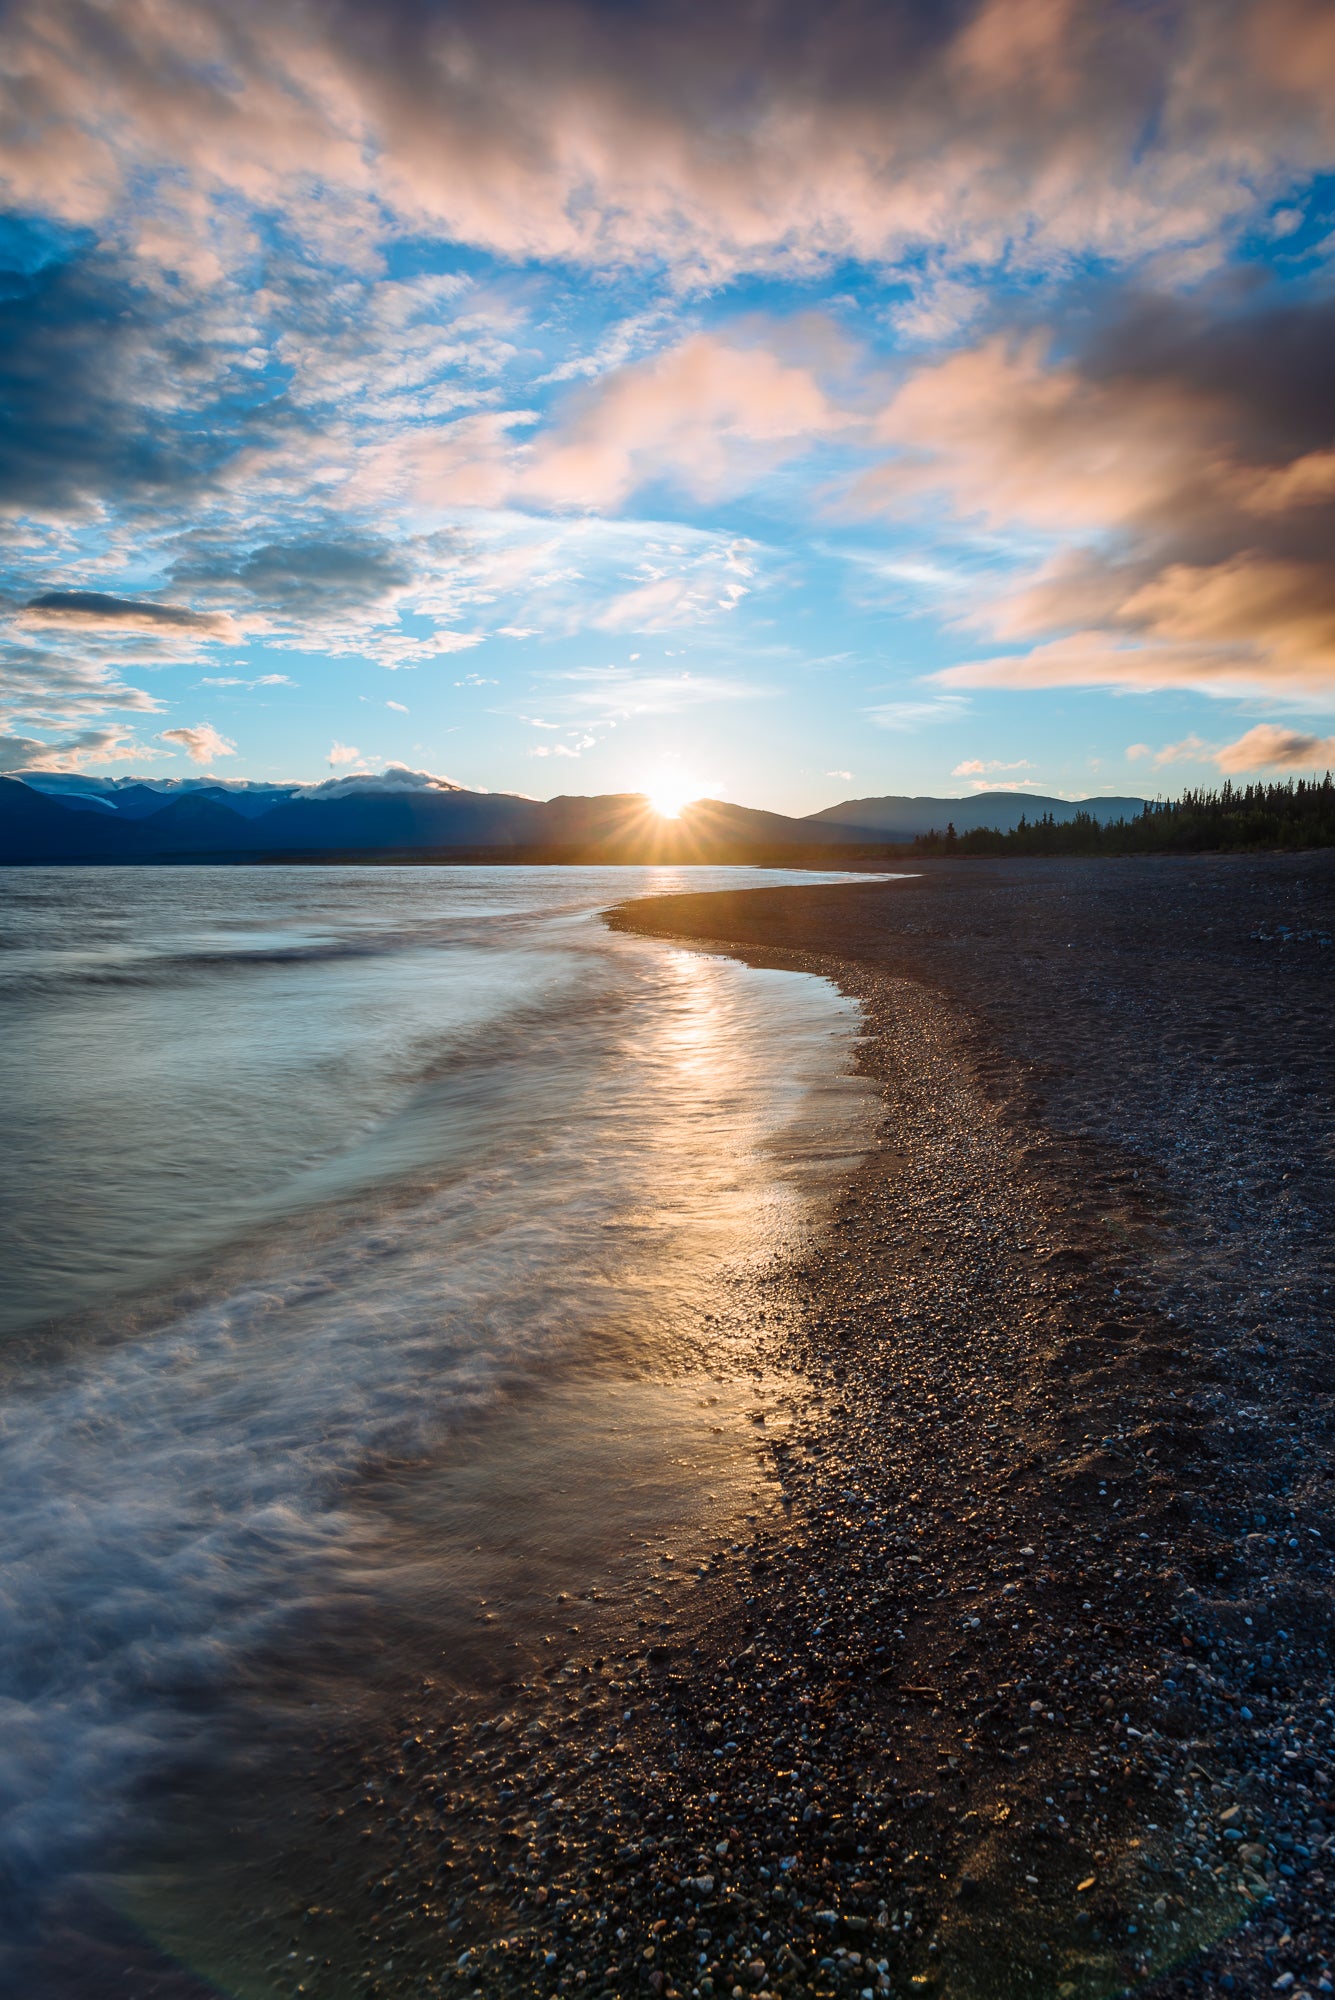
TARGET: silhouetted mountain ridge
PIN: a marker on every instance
(44, 819)
(900, 818)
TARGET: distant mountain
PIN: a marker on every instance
(621, 826)
(34, 827)
(57, 817)
(133, 797)
(901, 819)
(371, 821)
(136, 820)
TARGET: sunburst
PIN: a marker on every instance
(670, 793)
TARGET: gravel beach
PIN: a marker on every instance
(1019, 1680)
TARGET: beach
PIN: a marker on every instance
(1024, 1684)
(1010, 1670)
(1073, 1324)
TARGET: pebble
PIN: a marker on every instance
(1018, 1334)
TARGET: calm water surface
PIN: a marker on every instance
(310, 1176)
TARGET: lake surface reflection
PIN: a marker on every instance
(340, 1208)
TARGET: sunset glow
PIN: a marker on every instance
(669, 796)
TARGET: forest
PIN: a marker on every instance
(1235, 819)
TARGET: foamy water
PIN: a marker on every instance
(308, 1172)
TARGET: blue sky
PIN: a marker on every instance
(576, 397)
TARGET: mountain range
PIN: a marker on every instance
(400, 814)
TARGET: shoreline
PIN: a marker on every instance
(973, 1708)
(1173, 1654)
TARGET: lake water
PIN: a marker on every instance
(319, 1188)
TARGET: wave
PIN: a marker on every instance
(314, 1232)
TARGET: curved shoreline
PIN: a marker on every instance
(1022, 1688)
(1040, 1246)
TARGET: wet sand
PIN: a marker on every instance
(1013, 1676)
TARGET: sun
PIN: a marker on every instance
(669, 793)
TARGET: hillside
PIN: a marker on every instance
(897, 818)
(133, 821)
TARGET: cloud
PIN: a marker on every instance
(398, 707)
(616, 692)
(680, 586)
(912, 715)
(709, 138)
(213, 377)
(339, 589)
(394, 778)
(846, 775)
(1014, 437)
(665, 603)
(1191, 750)
(1270, 746)
(109, 387)
(201, 744)
(706, 414)
(1177, 474)
(566, 576)
(1103, 659)
(71, 753)
(49, 687)
(1004, 784)
(311, 577)
(235, 681)
(451, 642)
(977, 767)
(398, 349)
(343, 753)
(61, 659)
(87, 610)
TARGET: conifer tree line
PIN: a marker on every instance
(1234, 819)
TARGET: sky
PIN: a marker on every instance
(779, 402)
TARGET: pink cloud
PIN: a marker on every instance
(201, 744)
(1100, 659)
(1283, 605)
(705, 413)
(1270, 746)
(709, 136)
(1016, 438)
(1174, 475)
(979, 767)
(1191, 750)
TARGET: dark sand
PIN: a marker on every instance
(1021, 1684)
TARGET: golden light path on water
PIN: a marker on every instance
(446, 1207)
(443, 1293)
